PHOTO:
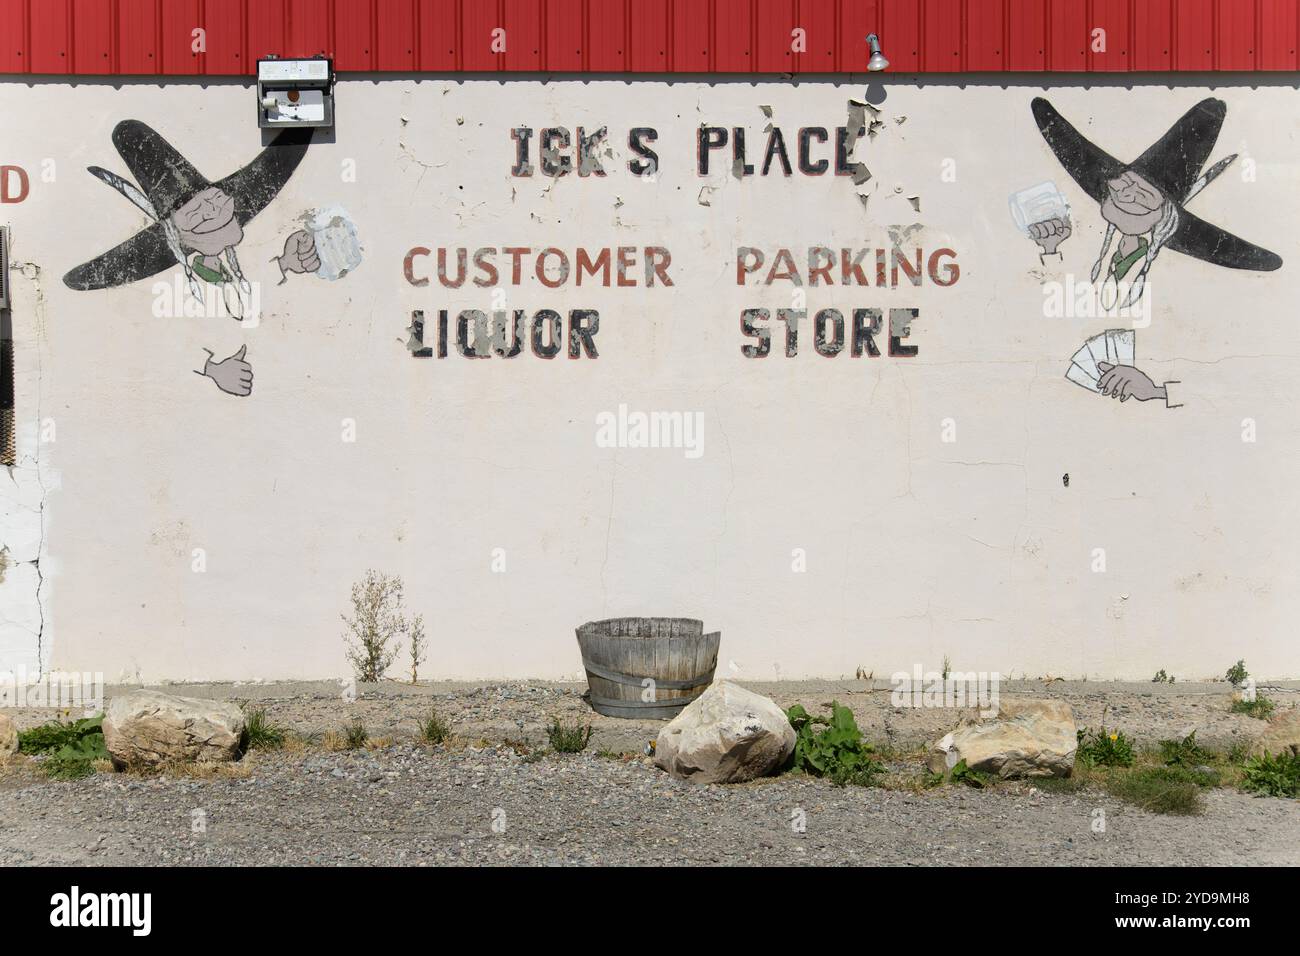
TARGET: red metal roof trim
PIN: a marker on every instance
(157, 37)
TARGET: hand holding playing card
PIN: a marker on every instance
(1112, 347)
(1125, 382)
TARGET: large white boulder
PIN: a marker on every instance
(1032, 738)
(1281, 735)
(726, 735)
(148, 728)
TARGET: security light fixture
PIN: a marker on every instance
(295, 92)
(877, 61)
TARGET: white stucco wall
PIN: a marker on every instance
(915, 548)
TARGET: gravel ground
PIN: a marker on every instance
(481, 801)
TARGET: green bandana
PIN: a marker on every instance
(209, 275)
(1121, 265)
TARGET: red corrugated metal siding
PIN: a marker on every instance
(648, 36)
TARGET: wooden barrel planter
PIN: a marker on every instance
(620, 653)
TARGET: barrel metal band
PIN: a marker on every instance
(643, 704)
(635, 681)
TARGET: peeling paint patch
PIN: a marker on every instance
(900, 237)
(555, 162)
(857, 126)
(337, 243)
(588, 160)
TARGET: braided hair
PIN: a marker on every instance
(1162, 233)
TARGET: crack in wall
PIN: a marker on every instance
(36, 563)
(32, 459)
(36, 458)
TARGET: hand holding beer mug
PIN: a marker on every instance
(328, 247)
(1042, 214)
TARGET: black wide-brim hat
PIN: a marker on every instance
(1172, 164)
(168, 180)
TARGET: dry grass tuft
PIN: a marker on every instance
(296, 743)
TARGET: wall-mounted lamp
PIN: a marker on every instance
(295, 92)
(877, 61)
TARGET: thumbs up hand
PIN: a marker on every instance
(233, 375)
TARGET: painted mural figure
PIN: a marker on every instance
(198, 225)
(1144, 205)
(206, 228)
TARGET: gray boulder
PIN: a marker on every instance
(149, 728)
(1281, 734)
(726, 735)
(1032, 738)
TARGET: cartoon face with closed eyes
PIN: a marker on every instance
(207, 223)
(1132, 205)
